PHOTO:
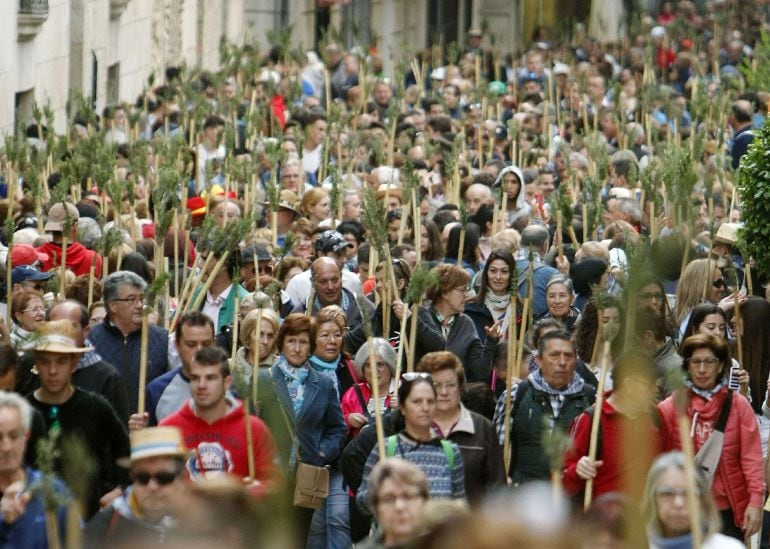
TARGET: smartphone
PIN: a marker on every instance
(732, 382)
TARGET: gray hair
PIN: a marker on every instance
(534, 235)
(560, 279)
(380, 347)
(13, 400)
(712, 522)
(113, 283)
(631, 207)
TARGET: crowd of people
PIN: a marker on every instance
(490, 301)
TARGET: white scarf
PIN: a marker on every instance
(499, 307)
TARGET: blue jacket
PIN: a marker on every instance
(540, 275)
(29, 529)
(319, 427)
(123, 352)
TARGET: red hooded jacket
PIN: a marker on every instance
(79, 258)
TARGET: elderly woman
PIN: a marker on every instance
(559, 297)
(667, 511)
(738, 486)
(328, 359)
(269, 324)
(456, 330)
(301, 408)
(27, 310)
(473, 433)
(397, 493)
(358, 405)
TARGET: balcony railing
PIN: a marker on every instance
(32, 15)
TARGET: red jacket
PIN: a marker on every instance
(351, 404)
(739, 480)
(79, 258)
(622, 471)
(221, 446)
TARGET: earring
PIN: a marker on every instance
(34, 370)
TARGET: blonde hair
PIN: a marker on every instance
(312, 197)
(696, 277)
(250, 324)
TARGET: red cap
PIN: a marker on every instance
(148, 230)
(24, 254)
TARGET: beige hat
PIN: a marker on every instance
(155, 442)
(287, 200)
(59, 214)
(57, 336)
(727, 233)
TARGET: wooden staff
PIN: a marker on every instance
(744, 389)
(236, 310)
(143, 362)
(187, 288)
(9, 282)
(52, 529)
(504, 210)
(417, 226)
(310, 300)
(509, 373)
(693, 505)
(584, 213)
(175, 224)
(249, 442)
(376, 396)
(560, 246)
(594, 441)
(63, 267)
(91, 274)
(402, 341)
(749, 283)
(255, 341)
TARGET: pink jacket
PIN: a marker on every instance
(739, 480)
(351, 404)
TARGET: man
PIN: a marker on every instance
(167, 393)
(147, 510)
(253, 261)
(290, 176)
(79, 416)
(476, 195)
(62, 225)
(628, 416)
(219, 303)
(328, 290)
(623, 209)
(651, 333)
(93, 373)
(287, 214)
(329, 244)
(550, 398)
(22, 510)
(27, 277)
(740, 120)
(213, 424)
(535, 237)
(117, 339)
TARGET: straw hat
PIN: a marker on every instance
(57, 336)
(155, 442)
(727, 233)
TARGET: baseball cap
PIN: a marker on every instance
(58, 215)
(257, 251)
(26, 272)
(24, 254)
(331, 241)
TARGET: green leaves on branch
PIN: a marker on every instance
(421, 280)
(754, 186)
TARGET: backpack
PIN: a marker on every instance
(391, 444)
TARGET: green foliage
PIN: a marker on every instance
(375, 220)
(421, 280)
(155, 291)
(677, 171)
(367, 315)
(166, 201)
(758, 73)
(754, 185)
(48, 455)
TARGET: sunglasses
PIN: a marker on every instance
(412, 376)
(719, 283)
(163, 478)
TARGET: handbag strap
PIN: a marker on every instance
(724, 412)
(364, 408)
(283, 411)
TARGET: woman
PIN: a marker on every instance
(301, 408)
(315, 205)
(588, 337)
(268, 330)
(701, 281)
(286, 269)
(441, 461)
(397, 493)
(302, 245)
(649, 292)
(559, 297)
(456, 330)
(585, 274)
(473, 433)
(358, 404)
(666, 507)
(511, 180)
(470, 258)
(431, 248)
(493, 302)
(27, 310)
(328, 359)
(738, 485)
(330, 526)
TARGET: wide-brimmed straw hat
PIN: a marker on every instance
(57, 336)
(152, 442)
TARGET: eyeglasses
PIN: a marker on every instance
(710, 361)
(649, 296)
(163, 478)
(133, 300)
(412, 376)
(266, 269)
(670, 493)
(391, 499)
(720, 283)
(34, 310)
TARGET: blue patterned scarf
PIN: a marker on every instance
(329, 369)
(295, 381)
